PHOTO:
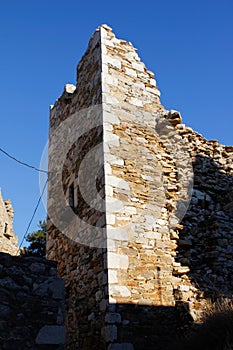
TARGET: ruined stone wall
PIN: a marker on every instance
(70, 242)
(205, 237)
(161, 243)
(8, 239)
(134, 178)
(31, 304)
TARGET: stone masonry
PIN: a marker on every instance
(140, 206)
(8, 239)
(31, 304)
(32, 297)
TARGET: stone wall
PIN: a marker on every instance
(140, 206)
(8, 239)
(204, 239)
(82, 265)
(31, 304)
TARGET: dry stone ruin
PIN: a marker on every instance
(139, 206)
(8, 239)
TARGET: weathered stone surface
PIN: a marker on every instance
(51, 335)
(171, 247)
(23, 311)
(8, 239)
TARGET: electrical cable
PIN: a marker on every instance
(22, 163)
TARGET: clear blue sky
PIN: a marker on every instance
(188, 44)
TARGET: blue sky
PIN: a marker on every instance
(188, 44)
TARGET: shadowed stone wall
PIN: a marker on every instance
(31, 304)
(83, 266)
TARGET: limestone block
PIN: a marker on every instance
(70, 88)
(109, 333)
(114, 205)
(130, 72)
(184, 288)
(132, 55)
(111, 61)
(122, 291)
(111, 244)
(112, 276)
(135, 101)
(112, 301)
(138, 66)
(110, 219)
(117, 233)
(130, 210)
(57, 287)
(107, 169)
(180, 270)
(117, 261)
(153, 235)
(201, 195)
(110, 117)
(51, 335)
(115, 161)
(153, 82)
(105, 88)
(113, 317)
(111, 139)
(98, 295)
(118, 182)
(109, 191)
(161, 222)
(150, 222)
(103, 305)
(147, 178)
(153, 91)
(109, 79)
(112, 100)
(104, 68)
(108, 126)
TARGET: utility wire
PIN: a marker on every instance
(33, 215)
(39, 200)
(23, 163)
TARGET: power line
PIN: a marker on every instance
(22, 163)
(33, 215)
(39, 200)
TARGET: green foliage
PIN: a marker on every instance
(37, 240)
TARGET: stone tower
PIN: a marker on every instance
(120, 183)
(8, 239)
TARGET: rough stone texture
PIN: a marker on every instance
(154, 272)
(8, 239)
(51, 335)
(83, 267)
(204, 240)
(32, 301)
